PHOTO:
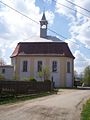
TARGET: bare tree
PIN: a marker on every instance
(75, 74)
(2, 62)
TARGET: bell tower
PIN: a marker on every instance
(43, 26)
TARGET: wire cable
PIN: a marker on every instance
(18, 12)
(30, 18)
(77, 5)
(37, 22)
(70, 8)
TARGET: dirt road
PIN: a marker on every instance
(63, 106)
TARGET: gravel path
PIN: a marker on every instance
(65, 105)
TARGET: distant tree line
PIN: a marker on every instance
(83, 77)
(86, 78)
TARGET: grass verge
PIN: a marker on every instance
(13, 99)
(85, 115)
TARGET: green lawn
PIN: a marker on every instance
(85, 115)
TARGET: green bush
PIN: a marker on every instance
(47, 81)
(2, 77)
(32, 80)
(25, 79)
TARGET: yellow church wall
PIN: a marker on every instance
(16, 63)
(63, 71)
(17, 68)
(62, 65)
(31, 67)
(32, 59)
(71, 69)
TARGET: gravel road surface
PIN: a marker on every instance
(65, 105)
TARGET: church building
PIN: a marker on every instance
(44, 51)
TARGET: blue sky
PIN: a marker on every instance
(73, 26)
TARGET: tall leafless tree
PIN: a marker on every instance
(2, 62)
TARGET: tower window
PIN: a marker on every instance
(54, 66)
(68, 67)
(39, 66)
(25, 64)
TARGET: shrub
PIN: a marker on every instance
(14, 77)
(32, 80)
(25, 79)
(49, 81)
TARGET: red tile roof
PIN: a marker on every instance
(40, 48)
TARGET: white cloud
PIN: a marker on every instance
(79, 28)
(79, 24)
(50, 16)
(80, 61)
(72, 43)
(82, 33)
(85, 4)
(15, 27)
(61, 8)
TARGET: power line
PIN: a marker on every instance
(77, 5)
(29, 18)
(61, 36)
(70, 8)
(37, 22)
(18, 12)
(56, 33)
(65, 38)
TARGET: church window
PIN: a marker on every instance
(25, 64)
(39, 66)
(3, 71)
(68, 67)
(54, 66)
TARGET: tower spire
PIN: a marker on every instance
(43, 26)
